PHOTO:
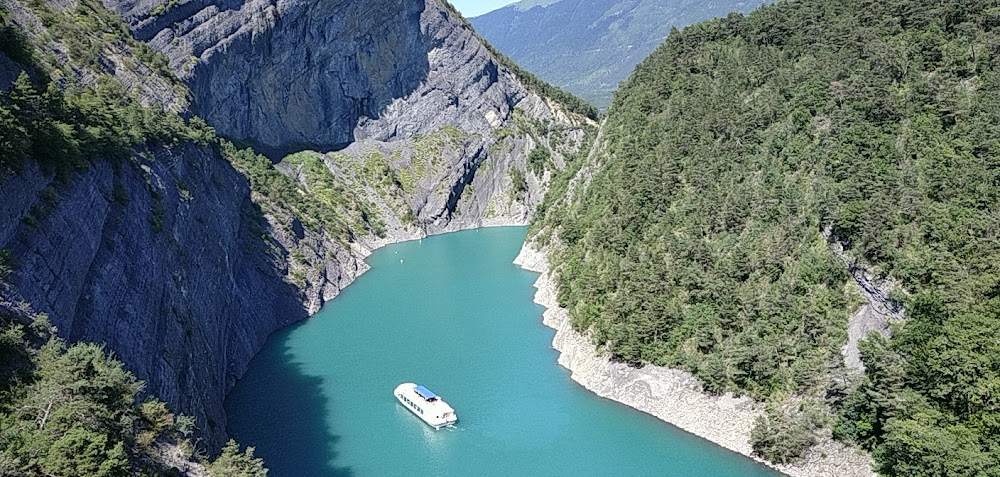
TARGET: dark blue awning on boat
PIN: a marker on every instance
(424, 392)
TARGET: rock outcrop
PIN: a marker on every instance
(878, 311)
(329, 75)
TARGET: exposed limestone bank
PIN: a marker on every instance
(673, 395)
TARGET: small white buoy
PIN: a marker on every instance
(400, 260)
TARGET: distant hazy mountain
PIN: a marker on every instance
(589, 46)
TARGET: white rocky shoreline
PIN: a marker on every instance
(673, 395)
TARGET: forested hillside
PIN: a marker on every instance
(699, 241)
(74, 411)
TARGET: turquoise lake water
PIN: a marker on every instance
(453, 313)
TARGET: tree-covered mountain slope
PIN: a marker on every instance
(696, 239)
(589, 46)
(72, 410)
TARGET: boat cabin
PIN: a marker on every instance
(425, 393)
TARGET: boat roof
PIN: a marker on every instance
(424, 392)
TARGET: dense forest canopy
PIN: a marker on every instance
(75, 411)
(699, 242)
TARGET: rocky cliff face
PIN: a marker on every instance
(165, 260)
(182, 270)
(323, 74)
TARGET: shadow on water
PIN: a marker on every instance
(283, 412)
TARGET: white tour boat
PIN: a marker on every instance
(426, 405)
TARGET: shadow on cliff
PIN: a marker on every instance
(282, 412)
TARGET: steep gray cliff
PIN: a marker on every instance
(164, 259)
(323, 74)
(180, 267)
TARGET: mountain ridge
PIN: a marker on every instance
(588, 46)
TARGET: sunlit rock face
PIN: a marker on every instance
(322, 74)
